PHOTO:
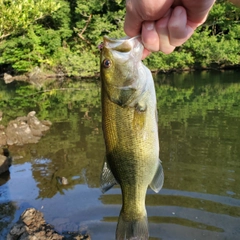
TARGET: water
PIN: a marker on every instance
(199, 127)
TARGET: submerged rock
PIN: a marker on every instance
(62, 180)
(3, 137)
(23, 130)
(5, 163)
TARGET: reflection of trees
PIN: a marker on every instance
(7, 209)
(199, 137)
(203, 155)
(73, 143)
(7, 212)
(71, 150)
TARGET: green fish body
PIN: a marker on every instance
(129, 121)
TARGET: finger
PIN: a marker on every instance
(179, 30)
(145, 53)
(163, 33)
(133, 22)
(138, 11)
(198, 10)
(150, 37)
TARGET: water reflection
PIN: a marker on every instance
(199, 121)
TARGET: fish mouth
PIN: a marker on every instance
(126, 43)
(120, 40)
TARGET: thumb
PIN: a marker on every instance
(133, 22)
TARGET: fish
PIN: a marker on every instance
(130, 130)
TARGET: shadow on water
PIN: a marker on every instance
(199, 121)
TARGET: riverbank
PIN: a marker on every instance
(39, 77)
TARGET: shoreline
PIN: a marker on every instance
(37, 76)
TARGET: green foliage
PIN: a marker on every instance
(67, 40)
(207, 49)
(165, 62)
(216, 42)
(18, 15)
(33, 49)
(77, 63)
(64, 35)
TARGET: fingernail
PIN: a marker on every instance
(149, 25)
(177, 11)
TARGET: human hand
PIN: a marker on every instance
(164, 24)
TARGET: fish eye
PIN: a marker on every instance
(107, 63)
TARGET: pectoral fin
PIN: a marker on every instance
(158, 178)
(107, 180)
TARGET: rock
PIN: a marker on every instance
(32, 226)
(4, 177)
(19, 132)
(82, 237)
(16, 231)
(5, 163)
(37, 126)
(76, 236)
(3, 137)
(62, 180)
(8, 78)
(23, 130)
(35, 74)
(1, 114)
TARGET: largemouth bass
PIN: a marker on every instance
(129, 121)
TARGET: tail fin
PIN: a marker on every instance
(132, 230)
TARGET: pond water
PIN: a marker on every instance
(199, 128)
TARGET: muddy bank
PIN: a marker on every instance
(32, 226)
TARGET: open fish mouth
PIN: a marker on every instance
(113, 42)
(120, 40)
(117, 41)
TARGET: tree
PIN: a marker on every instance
(62, 36)
(17, 15)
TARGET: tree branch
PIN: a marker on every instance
(84, 29)
(5, 35)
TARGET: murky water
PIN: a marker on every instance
(199, 127)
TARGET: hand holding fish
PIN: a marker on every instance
(164, 24)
